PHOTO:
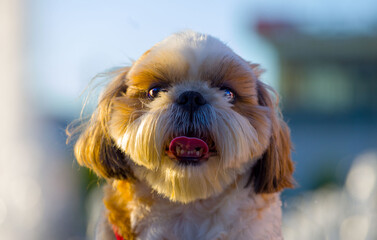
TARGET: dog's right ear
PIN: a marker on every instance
(94, 148)
(273, 172)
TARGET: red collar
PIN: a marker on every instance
(117, 236)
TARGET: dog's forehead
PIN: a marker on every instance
(187, 56)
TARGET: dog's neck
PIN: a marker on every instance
(237, 213)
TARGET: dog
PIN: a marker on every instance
(192, 145)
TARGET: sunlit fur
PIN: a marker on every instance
(126, 138)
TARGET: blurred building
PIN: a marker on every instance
(328, 83)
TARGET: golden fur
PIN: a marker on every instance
(126, 137)
(116, 202)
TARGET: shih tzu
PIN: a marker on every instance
(192, 145)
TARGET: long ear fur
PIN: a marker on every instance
(94, 148)
(273, 171)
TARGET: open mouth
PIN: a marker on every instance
(190, 150)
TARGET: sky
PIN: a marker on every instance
(69, 42)
(72, 41)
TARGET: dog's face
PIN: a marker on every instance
(188, 118)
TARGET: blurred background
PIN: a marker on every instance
(320, 55)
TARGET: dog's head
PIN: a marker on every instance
(189, 117)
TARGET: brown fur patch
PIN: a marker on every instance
(161, 69)
(118, 195)
(268, 200)
(273, 172)
(227, 72)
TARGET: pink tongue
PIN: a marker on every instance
(188, 147)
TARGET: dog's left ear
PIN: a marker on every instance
(95, 148)
(273, 171)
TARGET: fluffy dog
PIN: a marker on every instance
(192, 145)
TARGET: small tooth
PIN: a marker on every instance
(182, 151)
(201, 151)
(197, 153)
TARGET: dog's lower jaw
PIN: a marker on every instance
(238, 213)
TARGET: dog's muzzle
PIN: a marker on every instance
(191, 144)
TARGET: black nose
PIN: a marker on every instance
(191, 101)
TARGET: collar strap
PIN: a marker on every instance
(117, 236)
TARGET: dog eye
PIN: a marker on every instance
(228, 94)
(153, 92)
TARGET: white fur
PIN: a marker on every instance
(235, 214)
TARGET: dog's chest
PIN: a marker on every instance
(184, 222)
(236, 216)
